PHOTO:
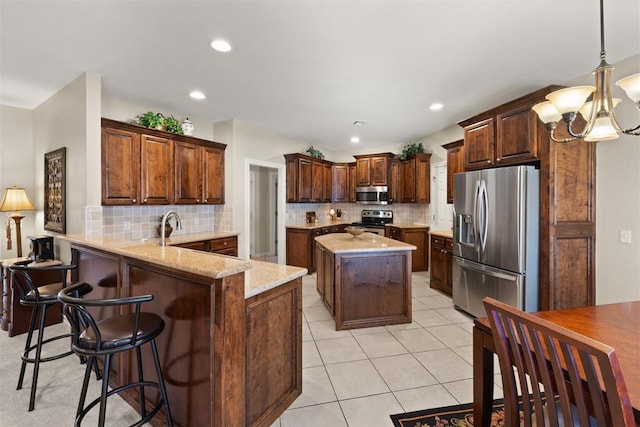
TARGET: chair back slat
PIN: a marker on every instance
(561, 377)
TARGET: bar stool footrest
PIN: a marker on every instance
(25, 355)
(146, 418)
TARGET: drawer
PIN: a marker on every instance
(228, 251)
(439, 241)
(220, 244)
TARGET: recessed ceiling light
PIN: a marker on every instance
(436, 106)
(196, 94)
(221, 45)
(355, 139)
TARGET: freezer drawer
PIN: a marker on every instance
(473, 281)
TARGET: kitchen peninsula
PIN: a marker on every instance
(364, 281)
(231, 350)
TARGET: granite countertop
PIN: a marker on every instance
(442, 233)
(366, 242)
(408, 225)
(313, 226)
(259, 276)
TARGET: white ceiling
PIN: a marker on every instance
(309, 69)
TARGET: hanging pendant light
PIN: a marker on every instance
(565, 104)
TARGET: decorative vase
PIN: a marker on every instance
(167, 231)
(187, 127)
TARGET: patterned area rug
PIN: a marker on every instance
(454, 416)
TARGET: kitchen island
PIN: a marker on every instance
(364, 281)
(231, 351)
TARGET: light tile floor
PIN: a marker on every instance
(359, 377)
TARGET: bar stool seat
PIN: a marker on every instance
(106, 337)
(39, 298)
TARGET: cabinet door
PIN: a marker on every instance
(156, 155)
(186, 158)
(438, 268)
(317, 181)
(352, 182)
(298, 247)
(479, 142)
(379, 171)
(327, 182)
(420, 239)
(311, 239)
(408, 173)
(212, 175)
(328, 294)
(394, 181)
(516, 136)
(305, 181)
(455, 164)
(320, 273)
(292, 180)
(363, 172)
(423, 178)
(340, 183)
(120, 167)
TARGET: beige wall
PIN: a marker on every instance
(16, 168)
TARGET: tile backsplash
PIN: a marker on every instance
(402, 212)
(139, 222)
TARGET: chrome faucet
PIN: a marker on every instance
(163, 239)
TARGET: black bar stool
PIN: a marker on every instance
(39, 298)
(106, 337)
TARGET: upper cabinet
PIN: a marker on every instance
(415, 177)
(352, 181)
(508, 134)
(143, 166)
(340, 182)
(309, 180)
(373, 169)
(455, 164)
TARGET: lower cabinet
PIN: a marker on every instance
(222, 246)
(324, 278)
(417, 236)
(300, 244)
(274, 352)
(441, 272)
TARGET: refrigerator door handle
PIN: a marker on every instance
(484, 269)
(476, 223)
(484, 206)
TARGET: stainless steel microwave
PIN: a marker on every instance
(375, 195)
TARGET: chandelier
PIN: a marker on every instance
(565, 104)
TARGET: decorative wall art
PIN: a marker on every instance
(55, 218)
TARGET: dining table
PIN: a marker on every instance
(616, 325)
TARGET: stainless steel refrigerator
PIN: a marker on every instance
(495, 238)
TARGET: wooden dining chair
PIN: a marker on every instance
(564, 378)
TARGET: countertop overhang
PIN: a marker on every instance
(366, 242)
(259, 276)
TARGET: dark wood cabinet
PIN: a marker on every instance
(120, 166)
(352, 182)
(394, 181)
(340, 182)
(441, 271)
(415, 180)
(455, 164)
(143, 166)
(567, 193)
(221, 246)
(15, 316)
(417, 236)
(324, 277)
(301, 247)
(373, 169)
(309, 180)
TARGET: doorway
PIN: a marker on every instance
(442, 216)
(263, 213)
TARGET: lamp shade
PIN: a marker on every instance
(547, 112)
(570, 100)
(631, 85)
(15, 199)
(603, 130)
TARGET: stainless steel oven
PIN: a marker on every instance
(374, 221)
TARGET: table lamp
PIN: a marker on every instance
(15, 200)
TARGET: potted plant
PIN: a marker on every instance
(172, 125)
(314, 152)
(167, 227)
(411, 149)
(159, 121)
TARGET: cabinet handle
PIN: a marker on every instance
(133, 200)
(498, 159)
(198, 200)
(205, 200)
(225, 243)
(488, 161)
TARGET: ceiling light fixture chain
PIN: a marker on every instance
(565, 104)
